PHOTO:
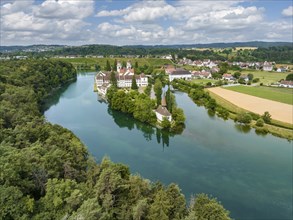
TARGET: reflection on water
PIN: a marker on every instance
(242, 128)
(127, 121)
(53, 99)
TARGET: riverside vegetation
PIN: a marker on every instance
(47, 173)
(225, 110)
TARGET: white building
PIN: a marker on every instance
(162, 111)
(179, 74)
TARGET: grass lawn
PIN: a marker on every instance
(284, 95)
(265, 77)
(203, 81)
(156, 62)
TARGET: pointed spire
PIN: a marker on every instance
(163, 102)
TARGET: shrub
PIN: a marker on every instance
(243, 118)
(255, 80)
(260, 122)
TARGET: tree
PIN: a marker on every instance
(250, 76)
(165, 123)
(289, 77)
(178, 115)
(136, 65)
(237, 75)
(267, 117)
(169, 100)
(205, 207)
(113, 79)
(133, 83)
(158, 90)
(108, 66)
(160, 207)
(115, 65)
(97, 67)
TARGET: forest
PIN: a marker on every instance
(273, 52)
(47, 173)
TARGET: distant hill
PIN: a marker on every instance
(220, 45)
(40, 48)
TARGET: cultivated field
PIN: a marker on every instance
(284, 95)
(279, 111)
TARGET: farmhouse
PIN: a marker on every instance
(179, 74)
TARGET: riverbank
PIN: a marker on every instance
(276, 128)
(226, 109)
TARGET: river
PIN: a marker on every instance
(251, 175)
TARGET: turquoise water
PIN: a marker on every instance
(250, 174)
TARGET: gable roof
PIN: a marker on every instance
(163, 111)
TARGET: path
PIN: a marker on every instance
(279, 111)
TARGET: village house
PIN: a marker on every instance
(215, 70)
(282, 69)
(267, 66)
(228, 77)
(162, 111)
(179, 74)
(202, 74)
(287, 84)
(245, 77)
(169, 69)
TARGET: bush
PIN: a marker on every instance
(260, 122)
(255, 80)
(243, 118)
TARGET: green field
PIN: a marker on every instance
(156, 62)
(267, 78)
(203, 81)
(284, 95)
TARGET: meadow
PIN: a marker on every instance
(284, 95)
(265, 77)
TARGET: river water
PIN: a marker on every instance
(251, 175)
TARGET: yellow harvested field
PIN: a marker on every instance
(279, 111)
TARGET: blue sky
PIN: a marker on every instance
(117, 22)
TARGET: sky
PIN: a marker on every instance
(152, 22)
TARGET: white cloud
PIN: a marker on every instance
(47, 22)
(288, 11)
(141, 22)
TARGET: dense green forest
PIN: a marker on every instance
(278, 52)
(47, 173)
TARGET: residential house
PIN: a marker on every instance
(245, 77)
(281, 69)
(228, 77)
(179, 74)
(202, 74)
(267, 66)
(287, 84)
